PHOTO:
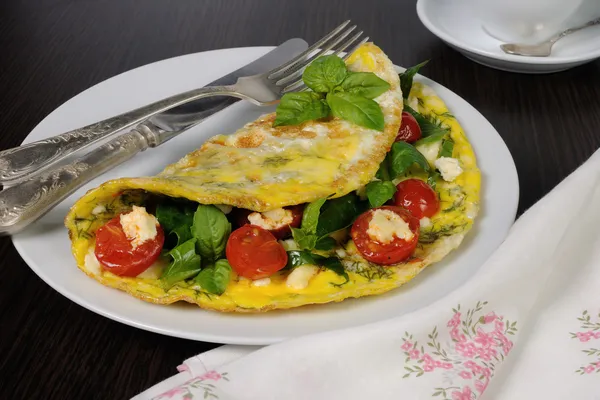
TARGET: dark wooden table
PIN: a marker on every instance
(52, 348)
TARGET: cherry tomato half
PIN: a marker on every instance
(254, 252)
(417, 197)
(240, 217)
(384, 253)
(116, 254)
(410, 131)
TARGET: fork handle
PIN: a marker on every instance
(20, 163)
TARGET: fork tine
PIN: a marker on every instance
(308, 51)
(295, 71)
(298, 84)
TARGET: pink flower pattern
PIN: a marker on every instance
(590, 331)
(479, 342)
(197, 386)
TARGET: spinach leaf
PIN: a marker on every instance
(379, 192)
(325, 73)
(404, 156)
(334, 264)
(356, 109)
(211, 230)
(185, 264)
(325, 243)
(171, 216)
(306, 241)
(431, 138)
(182, 233)
(297, 258)
(428, 128)
(215, 278)
(447, 148)
(406, 78)
(338, 213)
(310, 217)
(295, 108)
(365, 84)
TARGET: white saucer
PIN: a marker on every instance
(454, 22)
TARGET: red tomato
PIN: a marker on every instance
(410, 131)
(254, 252)
(417, 197)
(116, 254)
(240, 217)
(384, 253)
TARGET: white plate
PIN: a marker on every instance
(46, 247)
(454, 22)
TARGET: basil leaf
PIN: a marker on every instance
(306, 241)
(337, 214)
(428, 128)
(214, 279)
(325, 243)
(310, 217)
(211, 230)
(295, 108)
(379, 192)
(185, 264)
(406, 78)
(383, 173)
(447, 148)
(325, 73)
(334, 264)
(365, 84)
(297, 258)
(431, 138)
(356, 109)
(404, 156)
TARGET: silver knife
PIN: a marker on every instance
(32, 198)
(26, 161)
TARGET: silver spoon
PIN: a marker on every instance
(545, 48)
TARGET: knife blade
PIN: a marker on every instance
(195, 111)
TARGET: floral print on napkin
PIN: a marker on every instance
(590, 331)
(200, 387)
(473, 345)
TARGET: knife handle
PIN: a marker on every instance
(23, 162)
(29, 200)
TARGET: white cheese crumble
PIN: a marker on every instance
(298, 279)
(271, 219)
(226, 209)
(289, 244)
(139, 226)
(154, 271)
(91, 262)
(99, 209)
(261, 282)
(430, 151)
(449, 168)
(425, 222)
(386, 224)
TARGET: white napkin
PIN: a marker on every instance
(526, 326)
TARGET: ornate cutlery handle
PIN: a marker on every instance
(29, 200)
(18, 163)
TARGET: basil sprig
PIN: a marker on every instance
(336, 91)
(185, 264)
(306, 236)
(398, 161)
(211, 230)
(214, 279)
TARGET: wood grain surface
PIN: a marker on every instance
(52, 348)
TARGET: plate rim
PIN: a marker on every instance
(219, 338)
(443, 35)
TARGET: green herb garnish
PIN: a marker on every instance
(185, 264)
(336, 91)
(214, 279)
(406, 78)
(211, 230)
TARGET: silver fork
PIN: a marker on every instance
(24, 162)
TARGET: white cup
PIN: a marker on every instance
(532, 21)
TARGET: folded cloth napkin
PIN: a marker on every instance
(526, 326)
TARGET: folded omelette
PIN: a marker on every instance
(276, 217)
